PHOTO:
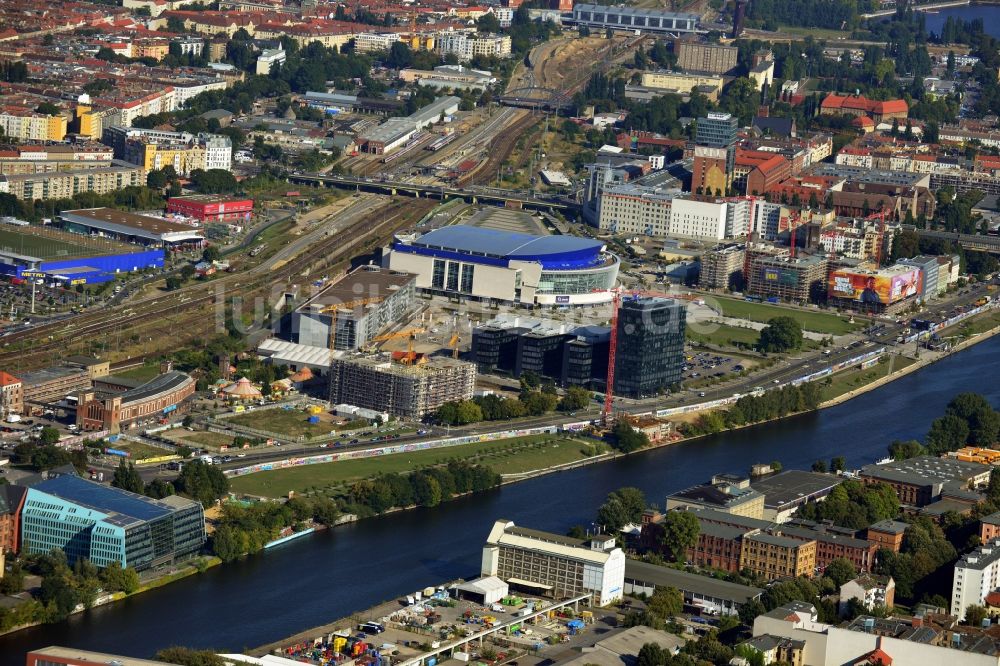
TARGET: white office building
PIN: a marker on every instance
(634, 209)
(369, 42)
(976, 575)
(467, 47)
(553, 565)
(690, 218)
(268, 59)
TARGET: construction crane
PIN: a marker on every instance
(616, 301)
(453, 343)
(794, 218)
(409, 333)
(333, 309)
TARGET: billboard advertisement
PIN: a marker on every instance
(875, 288)
(773, 276)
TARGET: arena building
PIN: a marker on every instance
(500, 266)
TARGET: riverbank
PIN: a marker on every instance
(204, 563)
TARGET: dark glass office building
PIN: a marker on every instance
(650, 347)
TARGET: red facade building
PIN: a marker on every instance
(211, 208)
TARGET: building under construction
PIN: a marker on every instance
(776, 274)
(362, 303)
(721, 265)
(409, 390)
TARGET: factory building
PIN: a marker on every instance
(147, 403)
(407, 390)
(87, 520)
(505, 267)
(553, 565)
(395, 132)
(359, 307)
(131, 228)
(634, 19)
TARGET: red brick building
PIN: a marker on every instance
(212, 208)
(11, 502)
(859, 105)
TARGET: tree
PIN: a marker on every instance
(211, 253)
(819, 466)
(626, 439)
(838, 464)
(488, 23)
(947, 433)
(781, 334)
(576, 397)
(49, 435)
(652, 654)
(48, 108)
(666, 602)
(974, 615)
(680, 532)
(213, 181)
(622, 506)
(188, 657)
(127, 478)
(205, 483)
(840, 570)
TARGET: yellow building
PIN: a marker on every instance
(184, 159)
(679, 81)
(33, 126)
(151, 48)
(64, 184)
(978, 455)
(773, 556)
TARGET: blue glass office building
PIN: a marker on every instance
(105, 525)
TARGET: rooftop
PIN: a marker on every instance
(364, 283)
(686, 581)
(103, 498)
(132, 221)
(794, 487)
(926, 470)
(501, 244)
(97, 658)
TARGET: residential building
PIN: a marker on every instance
(989, 527)
(921, 480)
(370, 42)
(27, 124)
(155, 149)
(772, 556)
(779, 275)
(268, 60)
(868, 640)
(650, 346)
(553, 565)
(680, 81)
(635, 209)
(868, 590)
(776, 649)
(466, 47)
(397, 386)
(731, 496)
(693, 56)
(11, 394)
(976, 574)
(104, 524)
(702, 219)
(66, 184)
(711, 595)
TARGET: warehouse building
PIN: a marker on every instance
(395, 132)
(212, 208)
(359, 307)
(88, 520)
(147, 403)
(921, 480)
(504, 267)
(634, 19)
(407, 390)
(553, 565)
(714, 596)
(131, 228)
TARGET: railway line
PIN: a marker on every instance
(190, 313)
(499, 152)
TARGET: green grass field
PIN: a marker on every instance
(725, 335)
(140, 450)
(213, 440)
(820, 322)
(141, 372)
(508, 456)
(972, 327)
(39, 246)
(288, 422)
(850, 380)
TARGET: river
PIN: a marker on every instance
(988, 13)
(337, 572)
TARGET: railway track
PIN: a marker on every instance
(190, 313)
(499, 153)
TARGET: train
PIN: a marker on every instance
(441, 142)
(406, 148)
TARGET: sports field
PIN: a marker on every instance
(52, 245)
(820, 322)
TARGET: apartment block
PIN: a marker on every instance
(721, 265)
(467, 47)
(65, 184)
(27, 124)
(155, 149)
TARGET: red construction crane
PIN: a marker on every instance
(794, 218)
(610, 385)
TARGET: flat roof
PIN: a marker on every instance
(101, 658)
(686, 581)
(794, 486)
(504, 244)
(103, 498)
(208, 198)
(109, 219)
(365, 282)
(36, 377)
(170, 381)
(637, 11)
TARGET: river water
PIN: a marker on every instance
(988, 13)
(337, 572)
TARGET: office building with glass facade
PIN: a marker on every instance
(649, 353)
(88, 520)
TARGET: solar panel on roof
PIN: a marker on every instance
(102, 498)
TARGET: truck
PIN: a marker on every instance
(13, 418)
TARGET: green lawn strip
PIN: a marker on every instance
(210, 439)
(507, 456)
(141, 373)
(726, 335)
(140, 451)
(973, 326)
(819, 322)
(850, 380)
